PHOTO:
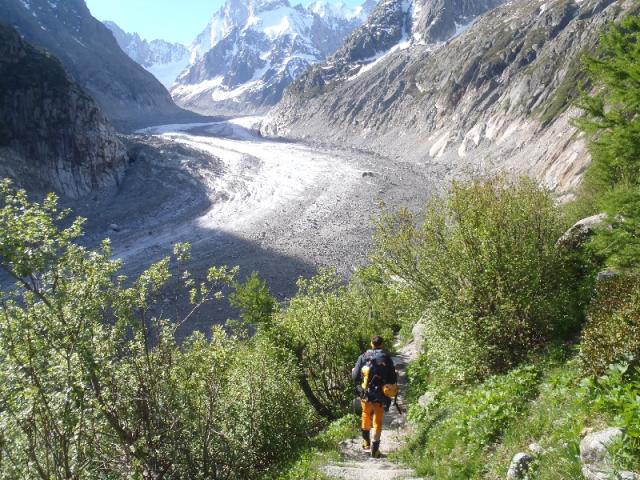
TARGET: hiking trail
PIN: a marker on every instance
(356, 463)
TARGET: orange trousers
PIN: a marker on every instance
(372, 413)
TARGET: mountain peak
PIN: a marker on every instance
(252, 49)
(257, 6)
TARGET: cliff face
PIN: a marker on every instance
(130, 96)
(52, 134)
(496, 96)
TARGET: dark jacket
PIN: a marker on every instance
(390, 375)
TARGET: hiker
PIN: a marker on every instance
(374, 374)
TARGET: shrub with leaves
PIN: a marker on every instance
(93, 383)
(612, 332)
(490, 277)
(327, 325)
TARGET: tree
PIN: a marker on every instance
(612, 122)
(93, 383)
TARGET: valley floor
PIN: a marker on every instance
(280, 208)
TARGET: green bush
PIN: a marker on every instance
(612, 332)
(93, 383)
(485, 264)
(267, 416)
(327, 325)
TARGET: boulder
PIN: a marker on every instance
(575, 237)
(519, 466)
(426, 399)
(629, 476)
(606, 472)
(594, 446)
(606, 275)
(418, 334)
(596, 464)
(536, 449)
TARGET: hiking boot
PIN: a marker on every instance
(366, 439)
(375, 450)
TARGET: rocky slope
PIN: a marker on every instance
(252, 50)
(52, 134)
(128, 94)
(163, 59)
(495, 96)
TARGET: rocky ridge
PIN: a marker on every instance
(252, 50)
(163, 59)
(52, 134)
(495, 97)
(129, 95)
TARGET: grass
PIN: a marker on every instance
(554, 420)
(474, 432)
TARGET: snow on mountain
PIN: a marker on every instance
(395, 25)
(163, 59)
(251, 50)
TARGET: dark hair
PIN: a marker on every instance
(377, 341)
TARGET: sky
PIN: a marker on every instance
(172, 20)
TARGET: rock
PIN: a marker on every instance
(129, 95)
(115, 227)
(605, 472)
(581, 231)
(606, 275)
(593, 447)
(418, 334)
(52, 135)
(629, 476)
(595, 457)
(519, 466)
(461, 100)
(536, 448)
(238, 51)
(426, 399)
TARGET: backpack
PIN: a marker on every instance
(374, 373)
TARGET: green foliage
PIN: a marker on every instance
(323, 447)
(254, 300)
(611, 113)
(554, 420)
(612, 123)
(618, 243)
(459, 424)
(93, 383)
(488, 273)
(612, 332)
(328, 325)
(618, 397)
(266, 415)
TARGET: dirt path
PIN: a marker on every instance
(356, 463)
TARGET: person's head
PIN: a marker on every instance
(377, 341)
